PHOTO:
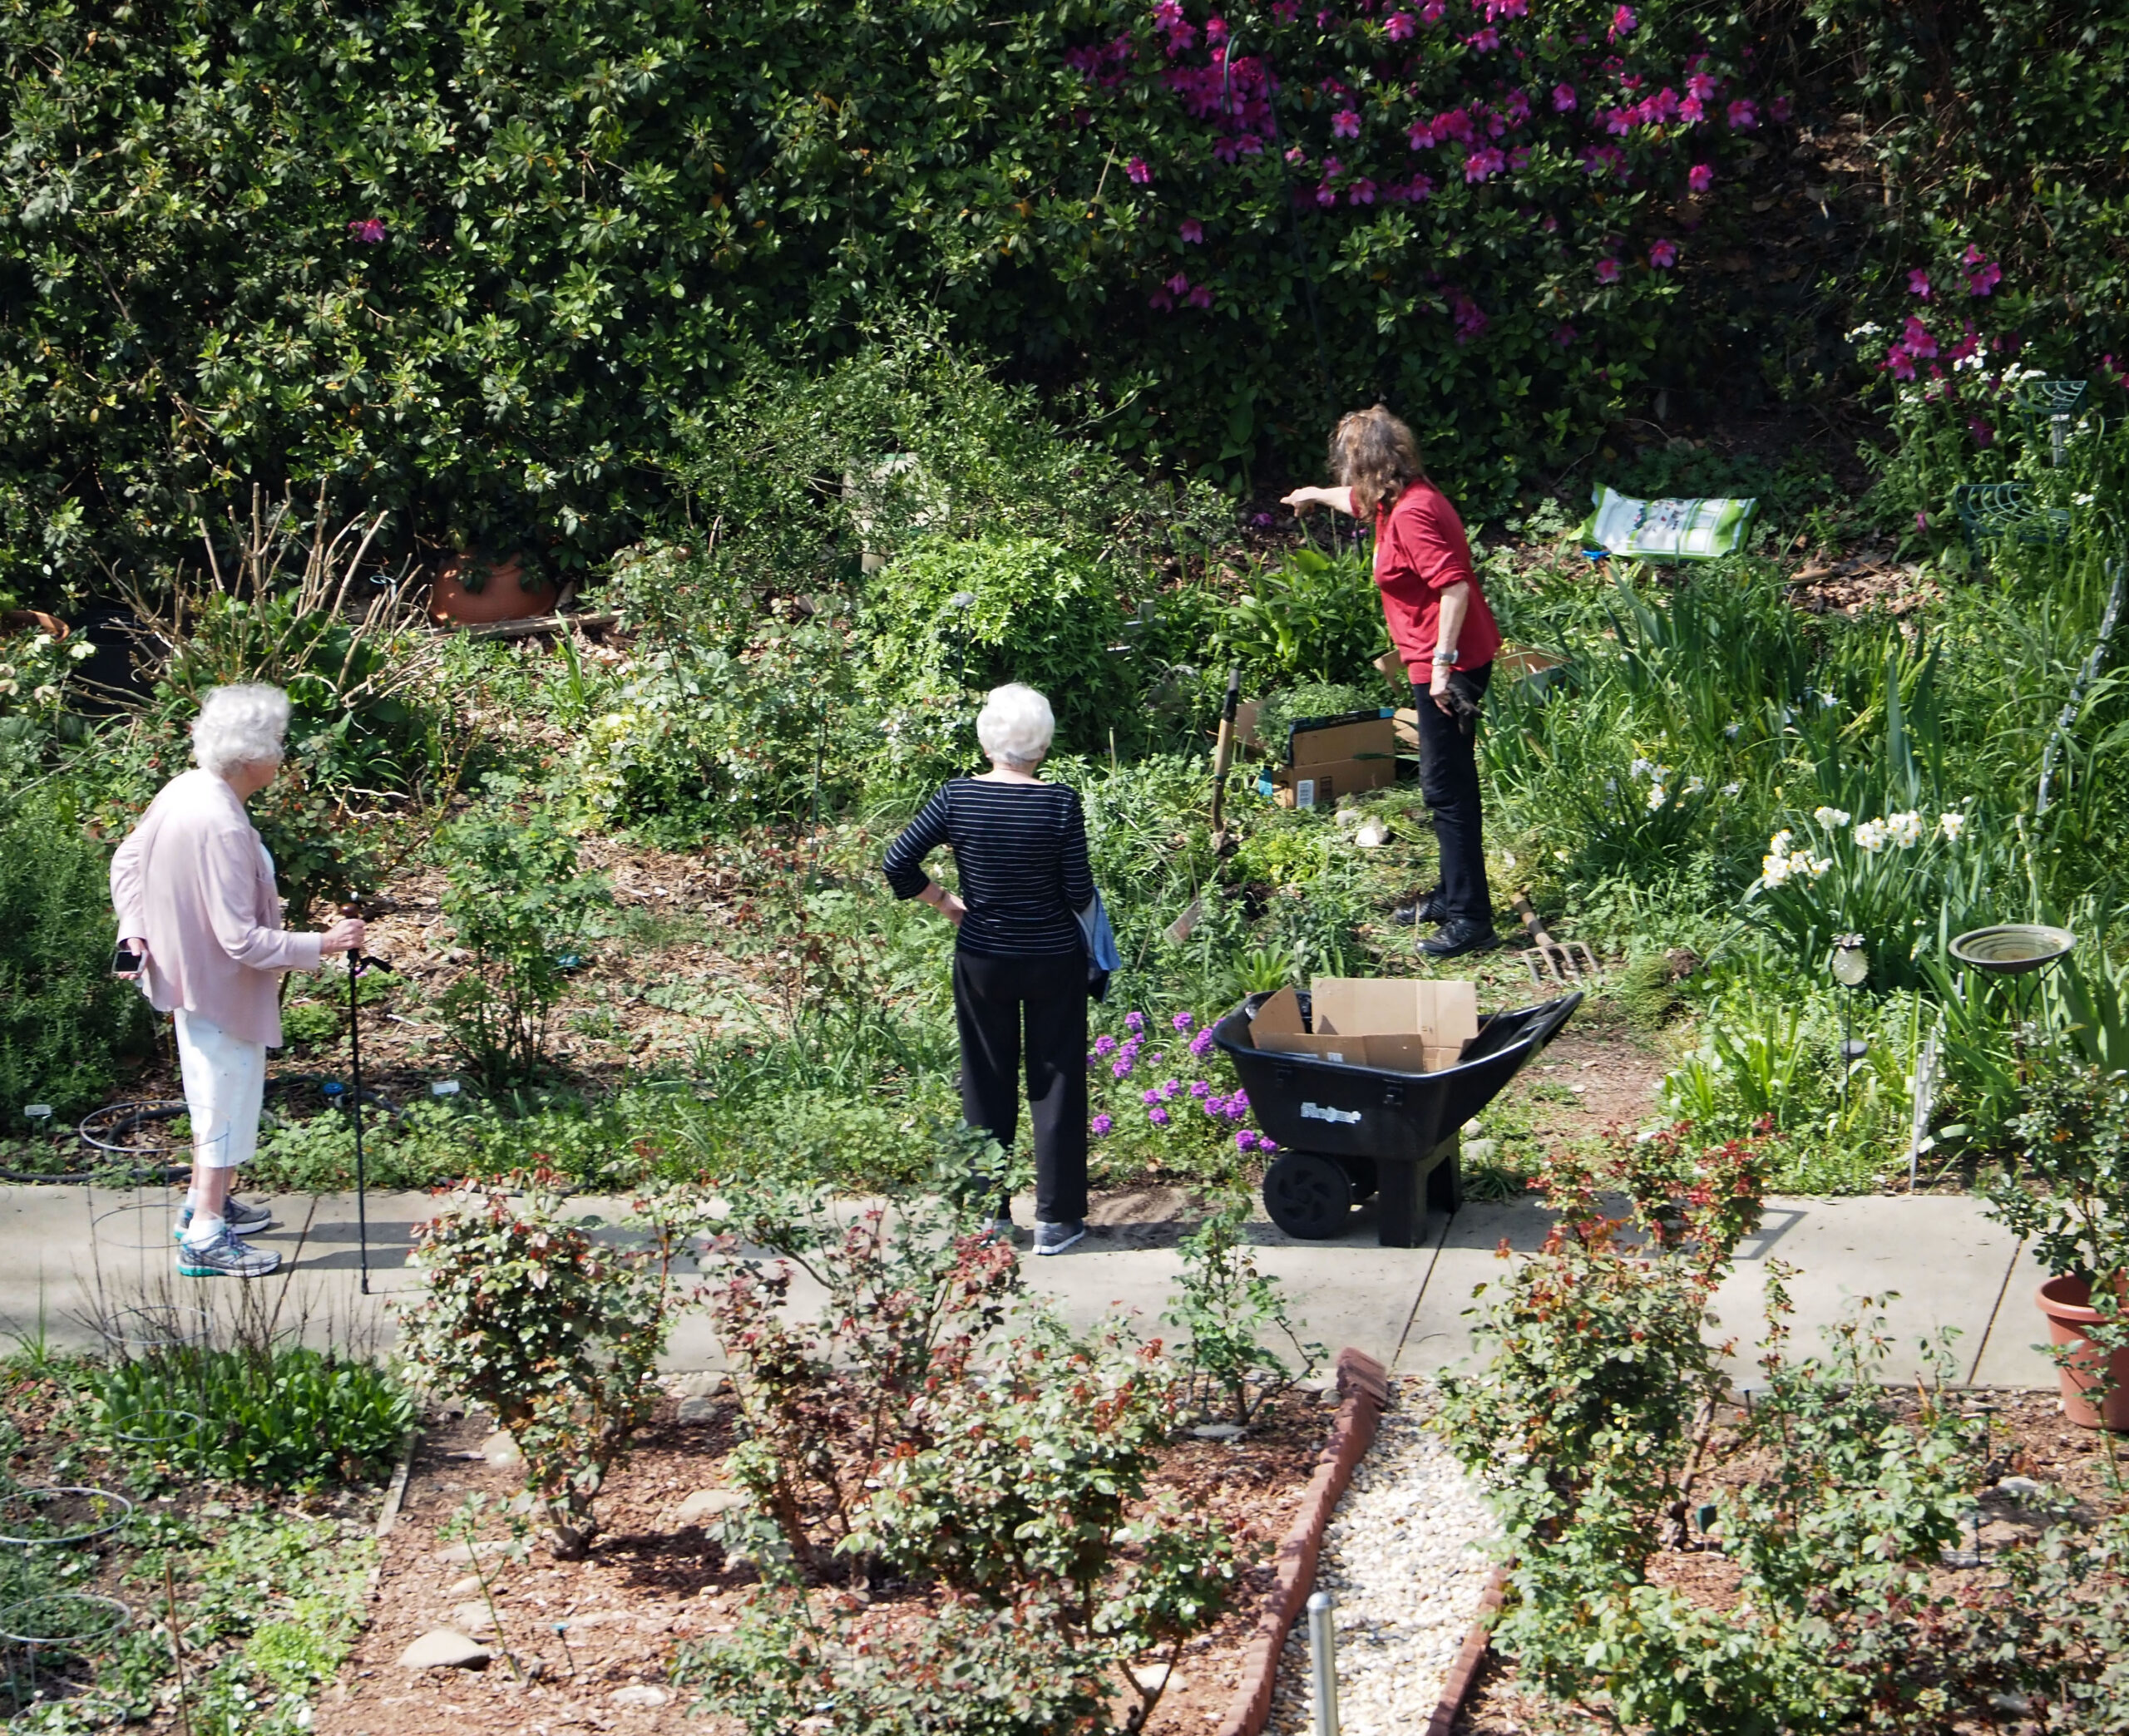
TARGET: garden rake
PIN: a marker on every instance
(1549, 960)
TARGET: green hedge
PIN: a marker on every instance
(485, 263)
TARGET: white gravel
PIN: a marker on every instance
(1404, 1558)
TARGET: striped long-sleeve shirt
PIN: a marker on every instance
(1022, 853)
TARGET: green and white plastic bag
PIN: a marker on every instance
(1702, 530)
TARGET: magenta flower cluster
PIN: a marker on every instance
(1918, 347)
(1174, 1084)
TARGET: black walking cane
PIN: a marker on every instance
(358, 961)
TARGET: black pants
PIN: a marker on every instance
(1448, 778)
(991, 998)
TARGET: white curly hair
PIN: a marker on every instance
(239, 726)
(1015, 725)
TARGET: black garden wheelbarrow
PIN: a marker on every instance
(1345, 1132)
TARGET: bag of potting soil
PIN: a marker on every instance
(1699, 530)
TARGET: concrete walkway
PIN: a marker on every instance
(71, 1257)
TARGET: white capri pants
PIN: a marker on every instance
(225, 1086)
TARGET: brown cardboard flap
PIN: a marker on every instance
(1407, 725)
(1245, 724)
(1280, 1016)
(1408, 1054)
(1350, 1050)
(1371, 738)
(1392, 666)
(1443, 1015)
(1320, 787)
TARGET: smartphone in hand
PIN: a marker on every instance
(125, 962)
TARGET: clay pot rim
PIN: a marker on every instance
(2059, 1306)
(23, 619)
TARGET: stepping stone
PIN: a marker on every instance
(444, 1649)
(463, 1555)
(1218, 1430)
(639, 1694)
(501, 1452)
(701, 1408)
(1153, 1678)
(705, 1505)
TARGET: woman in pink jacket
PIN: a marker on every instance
(194, 889)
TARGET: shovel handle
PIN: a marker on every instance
(1223, 754)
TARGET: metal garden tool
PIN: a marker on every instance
(1180, 930)
(1549, 960)
(357, 963)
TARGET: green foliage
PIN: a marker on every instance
(517, 902)
(1313, 619)
(65, 1025)
(1225, 1308)
(276, 1416)
(950, 620)
(1278, 712)
(489, 263)
(2069, 1190)
(554, 1331)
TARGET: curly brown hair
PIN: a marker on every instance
(1375, 456)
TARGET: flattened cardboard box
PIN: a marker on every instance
(1399, 1025)
(1341, 759)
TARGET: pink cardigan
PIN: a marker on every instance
(193, 881)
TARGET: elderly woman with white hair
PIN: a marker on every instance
(194, 889)
(1019, 958)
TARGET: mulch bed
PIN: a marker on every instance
(651, 1585)
(2029, 1438)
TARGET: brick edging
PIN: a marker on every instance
(1365, 1391)
(1469, 1657)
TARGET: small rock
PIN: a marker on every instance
(501, 1452)
(639, 1694)
(1218, 1430)
(705, 1385)
(463, 1555)
(701, 1408)
(2021, 1489)
(1373, 835)
(1481, 1150)
(465, 1587)
(444, 1649)
(705, 1505)
(474, 1618)
(1153, 1678)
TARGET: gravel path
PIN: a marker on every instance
(1404, 1558)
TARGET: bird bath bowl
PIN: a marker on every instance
(2014, 948)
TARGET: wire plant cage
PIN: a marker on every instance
(1992, 512)
(2052, 403)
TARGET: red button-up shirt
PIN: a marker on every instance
(1420, 551)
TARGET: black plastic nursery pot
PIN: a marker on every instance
(1345, 1132)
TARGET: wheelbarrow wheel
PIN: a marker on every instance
(1309, 1195)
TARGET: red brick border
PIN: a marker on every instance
(1473, 1653)
(1364, 1390)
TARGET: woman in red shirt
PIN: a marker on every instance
(1439, 621)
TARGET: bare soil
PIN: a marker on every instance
(651, 1585)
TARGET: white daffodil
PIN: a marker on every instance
(2082, 500)
(1732, 789)
(1778, 845)
(47, 695)
(1657, 798)
(1870, 834)
(79, 649)
(1641, 768)
(1694, 785)
(1904, 829)
(1818, 865)
(1951, 824)
(1774, 869)
(1832, 818)
(1731, 728)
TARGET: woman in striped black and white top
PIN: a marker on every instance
(1020, 846)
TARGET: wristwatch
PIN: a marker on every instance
(1445, 657)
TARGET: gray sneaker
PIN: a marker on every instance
(226, 1256)
(1056, 1238)
(241, 1216)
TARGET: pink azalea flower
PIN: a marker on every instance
(1398, 27)
(1623, 23)
(1966, 346)
(1563, 336)
(1743, 116)
(1917, 339)
(1663, 255)
(1216, 31)
(1779, 108)
(1563, 99)
(1179, 284)
(1140, 174)
(1361, 192)
(1700, 177)
(1608, 271)
(1691, 112)
(1326, 19)
(1482, 42)
(1296, 154)
(1917, 283)
(1286, 11)
(1192, 232)
(1984, 281)
(1901, 363)
(1483, 165)
(1420, 135)
(367, 230)
(1346, 124)
(1201, 296)
(1431, 13)
(1700, 85)
(1326, 194)
(1983, 434)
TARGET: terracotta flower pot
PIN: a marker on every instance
(2065, 1302)
(29, 620)
(503, 592)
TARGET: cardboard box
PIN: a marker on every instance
(1400, 1025)
(1340, 756)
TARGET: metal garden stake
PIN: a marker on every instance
(358, 961)
(1323, 1663)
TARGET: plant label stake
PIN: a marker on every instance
(1323, 1663)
